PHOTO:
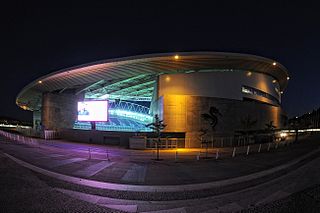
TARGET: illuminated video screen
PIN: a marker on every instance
(93, 111)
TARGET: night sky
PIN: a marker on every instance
(38, 39)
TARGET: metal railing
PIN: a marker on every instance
(20, 138)
(238, 140)
(170, 143)
(196, 154)
(165, 143)
(51, 134)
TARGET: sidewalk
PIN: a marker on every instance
(137, 167)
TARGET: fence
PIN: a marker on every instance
(213, 142)
(165, 143)
(91, 152)
(20, 138)
(218, 142)
(29, 132)
(51, 134)
(226, 152)
(239, 140)
(174, 143)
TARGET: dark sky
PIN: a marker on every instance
(38, 39)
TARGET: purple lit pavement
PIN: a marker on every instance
(117, 165)
(132, 170)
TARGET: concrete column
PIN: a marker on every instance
(37, 120)
(59, 110)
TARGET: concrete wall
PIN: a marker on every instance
(107, 137)
(184, 97)
(182, 113)
(97, 137)
(218, 84)
(59, 110)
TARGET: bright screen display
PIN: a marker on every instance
(93, 111)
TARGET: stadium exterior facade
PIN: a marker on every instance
(177, 86)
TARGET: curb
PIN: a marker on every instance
(165, 188)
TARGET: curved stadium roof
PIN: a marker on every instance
(137, 73)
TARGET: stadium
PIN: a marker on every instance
(179, 87)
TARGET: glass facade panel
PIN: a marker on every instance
(254, 91)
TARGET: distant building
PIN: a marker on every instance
(6, 122)
(307, 120)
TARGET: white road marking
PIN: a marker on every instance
(93, 169)
(136, 173)
(65, 162)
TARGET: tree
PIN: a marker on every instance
(203, 140)
(297, 124)
(270, 129)
(247, 123)
(212, 118)
(157, 126)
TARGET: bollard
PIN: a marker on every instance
(198, 156)
(259, 150)
(89, 153)
(107, 155)
(217, 154)
(248, 150)
(269, 146)
(176, 156)
(234, 152)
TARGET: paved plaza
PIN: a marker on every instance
(119, 165)
(179, 170)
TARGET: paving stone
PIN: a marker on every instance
(136, 173)
(57, 163)
(93, 169)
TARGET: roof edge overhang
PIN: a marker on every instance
(145, 58)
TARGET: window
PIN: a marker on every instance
(254, 91)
